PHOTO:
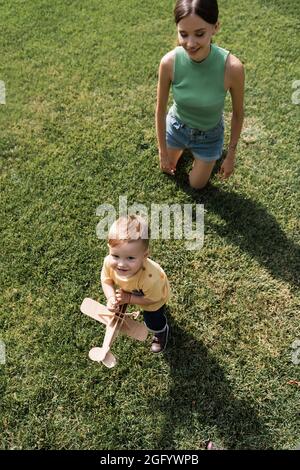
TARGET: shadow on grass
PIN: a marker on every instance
(250, 226)
(201, 397)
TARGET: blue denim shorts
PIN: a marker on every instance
(205, 145)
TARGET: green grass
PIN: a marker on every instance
(77, 130)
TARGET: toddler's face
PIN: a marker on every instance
(127, 258)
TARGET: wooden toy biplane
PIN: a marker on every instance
(116, 323)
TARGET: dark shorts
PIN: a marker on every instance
(155, 321)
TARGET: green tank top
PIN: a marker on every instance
(198, 88)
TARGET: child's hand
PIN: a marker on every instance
(122, 297)
(112, 304)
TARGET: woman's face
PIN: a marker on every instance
(194, 35)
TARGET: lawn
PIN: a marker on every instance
(77, 131)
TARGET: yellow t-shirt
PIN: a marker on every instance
(150, 281)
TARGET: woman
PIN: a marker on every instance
(200, 73)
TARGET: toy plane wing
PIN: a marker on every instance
(134, 329)
(99, 312)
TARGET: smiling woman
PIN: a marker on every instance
(200, 74)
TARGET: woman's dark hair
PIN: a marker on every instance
(207, 9)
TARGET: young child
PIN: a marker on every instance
(129, 277)
(200, 74)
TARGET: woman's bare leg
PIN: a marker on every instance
(200, 173)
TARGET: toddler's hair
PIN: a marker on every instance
(129, 228)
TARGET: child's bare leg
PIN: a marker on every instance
(200, 173)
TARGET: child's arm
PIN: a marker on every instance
(124, 297)
(108, 287)
(110, 294)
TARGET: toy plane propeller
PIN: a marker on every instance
(116, 323)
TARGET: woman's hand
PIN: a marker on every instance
(123, 297)
(165, 164)
(227, 167)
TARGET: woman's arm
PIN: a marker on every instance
(236, 88)
(163, 89)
